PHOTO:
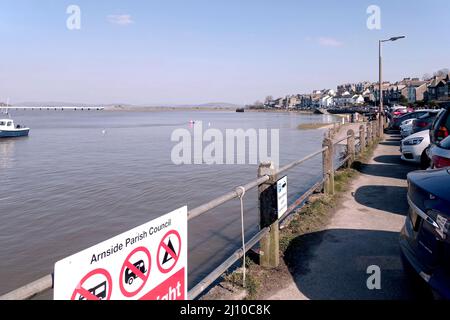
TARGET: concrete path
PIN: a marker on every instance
(364, 231)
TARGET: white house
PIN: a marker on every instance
(344, 99)
(326, 101)
(357, 99)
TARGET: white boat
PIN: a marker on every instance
(9, 130)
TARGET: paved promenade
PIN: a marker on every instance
(364, 231)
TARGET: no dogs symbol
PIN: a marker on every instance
(169, 251)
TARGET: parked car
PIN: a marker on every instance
(406, 127)
(425, 237)
(398, 111)
(424, 122)
(413, 149)
(439, 154)
(396, 121)
(440, 129)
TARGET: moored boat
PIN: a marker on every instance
(9, 130)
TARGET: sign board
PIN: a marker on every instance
(282, 193)
(148, 262)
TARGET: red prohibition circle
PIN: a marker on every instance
(87, 294)
(126, 265)
(162, 243)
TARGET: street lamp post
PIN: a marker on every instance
(380, 55)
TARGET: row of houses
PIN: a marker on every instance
(407, 91)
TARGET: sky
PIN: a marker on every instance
(200, 51)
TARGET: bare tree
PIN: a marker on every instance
(442, 73)
(426, 77)
(268, 99)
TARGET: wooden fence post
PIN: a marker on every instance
(351, 147)
(376, 132)
(362, 138)
(328, 167)
(383, 126)
(270, 244)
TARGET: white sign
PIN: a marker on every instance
(282, 193)
(146, 263)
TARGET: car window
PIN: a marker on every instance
(438, 119)
(445, 144)
(446, 122)
(407, 117)
(414, 115)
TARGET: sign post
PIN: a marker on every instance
(282, 193)
(148, 262)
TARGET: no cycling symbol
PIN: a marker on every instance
(169, 251)
(96, 285)
(135, 272)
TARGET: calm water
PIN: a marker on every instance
(69, 186)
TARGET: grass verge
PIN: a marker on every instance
(313, 217)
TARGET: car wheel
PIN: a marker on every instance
(130, 281)
(424, 161)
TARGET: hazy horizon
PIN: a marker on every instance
(198, 52)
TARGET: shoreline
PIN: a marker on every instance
(193, 109)
(165, 109)
(280, 111)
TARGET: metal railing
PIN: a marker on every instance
(367, 135)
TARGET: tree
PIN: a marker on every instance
(268, 99)
(442, 73)
(432, 104)
(403, 100)
(426, 77)
(258, 105)
(420, 104)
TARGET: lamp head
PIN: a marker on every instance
(396, 38)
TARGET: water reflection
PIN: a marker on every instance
(7, 147)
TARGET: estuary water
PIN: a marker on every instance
(83, 177)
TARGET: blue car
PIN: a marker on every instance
(425, 238)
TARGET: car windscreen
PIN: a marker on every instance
(411, 115)
(429, 115)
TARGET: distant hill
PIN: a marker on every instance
(211, 105)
